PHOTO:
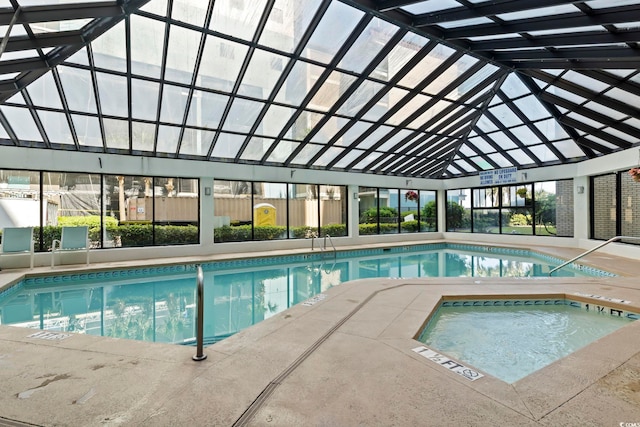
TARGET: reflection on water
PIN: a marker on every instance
(162, 308)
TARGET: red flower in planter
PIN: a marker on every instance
(413, 195)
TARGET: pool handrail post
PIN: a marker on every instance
(613, 239)
(200, 316)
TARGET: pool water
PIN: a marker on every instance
(158, 303)
(511, 341)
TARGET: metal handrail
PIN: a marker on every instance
(332, 245)
(613, 239)
(200, 316)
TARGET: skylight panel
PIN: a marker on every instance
(195, 142)
(585, 81)
(390, 99)
(425, 67)
(144, 99)
(238, 18)
(158, 7)
(274, 120)
(429, 114)
(428, 6)
(362, 95)
(182, 52)
(57, 26)
(306, 154)
(551, 129)
(502, 140)
(622, 135)
(505, 115)
(395, 139)
(327, 131)
(486, 125)
(624, 96)
(328, 156)
(331, 89)
(568, 148)
(538, 13)
(110, 50)
(408, 108)
(472, 82)
(282, 151)
(610, 112)
(371, 157)
(206, 109)
(376, 136)
(116, 133)
(56, 126)
(367, 46)
(348, 158)
(146, 46)
(587, 121)
(525, 135)
(294, 89)
(242, 115)
(78, 89)
(402, 53)
(354, 132)
(532, 108)
(256, 148)
(227, 145)
(282, 28)
(144, 136)
(87, 130)
(262, 74)
(570, 96)
(168, 137)
(189, 11)
(604, 4)
(482, 145)
(333, 30)
(43, 92)
(565, 30)
(450, 74)
(221, 63)
(465, 22)
(112, 91)
(513, 87)
(174, 104)
(520, 157)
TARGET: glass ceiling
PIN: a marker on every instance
(434, 89)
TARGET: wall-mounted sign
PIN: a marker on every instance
(499, 176)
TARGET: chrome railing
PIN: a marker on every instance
(613, 239)
(200, 316)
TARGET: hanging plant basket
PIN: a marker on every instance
(411, 196)
(635, 174)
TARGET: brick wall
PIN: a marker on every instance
(604, 207)
(564, 208)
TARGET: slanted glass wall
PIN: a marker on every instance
(246, 210)
(615, 206)
(541, 208)
(390, 211)
(119, 210)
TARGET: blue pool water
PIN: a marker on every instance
(157, 303)
(510, 339)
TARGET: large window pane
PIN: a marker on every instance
(303, 210)
(127, 202)
(428, 211)
(630, 207)
(270, 211)
(459, 210)
(368, 210)
(20, 200)
(175, 204)
(409, 211)
(232, 211)
(72, 199)
(389, 218)
(333, 210)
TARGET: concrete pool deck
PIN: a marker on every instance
(344, 359)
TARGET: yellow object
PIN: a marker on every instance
(264, 214)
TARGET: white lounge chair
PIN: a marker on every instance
(73, 239)
(17, 240)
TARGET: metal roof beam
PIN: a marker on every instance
(62, 12)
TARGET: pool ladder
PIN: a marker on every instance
(613, 239)
(314, 236)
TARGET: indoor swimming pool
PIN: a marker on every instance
(158, 303)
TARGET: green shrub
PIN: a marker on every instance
(368, 229)
(176, 234)
(333, 230)
(270, 232)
